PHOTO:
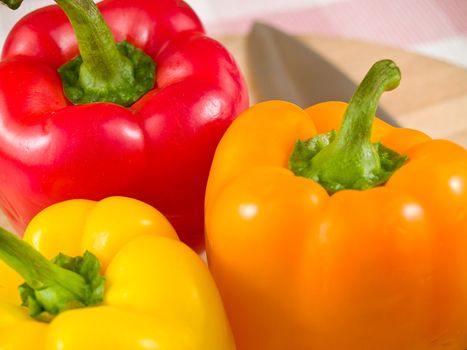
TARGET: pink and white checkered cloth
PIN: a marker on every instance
(437, 28)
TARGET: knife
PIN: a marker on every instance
(284, 68)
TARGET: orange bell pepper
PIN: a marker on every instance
(359, 247)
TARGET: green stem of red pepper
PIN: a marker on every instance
(52, 287)
(101, 58)
(347, 159)
(104, 71)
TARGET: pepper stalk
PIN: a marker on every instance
(52, 287)
(347, 159)
(105, 71)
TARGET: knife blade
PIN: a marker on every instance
(284, 68)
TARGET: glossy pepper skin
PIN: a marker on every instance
(298, 268)
(157, 150)
(158, 292)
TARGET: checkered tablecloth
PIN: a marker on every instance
(437, 28)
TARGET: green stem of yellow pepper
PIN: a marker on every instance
(347, 159)
(52, 287)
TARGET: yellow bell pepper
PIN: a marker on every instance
(157, 293)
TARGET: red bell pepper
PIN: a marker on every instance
(157, 149)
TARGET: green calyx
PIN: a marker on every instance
(135, 77)
(52, 287)
(347, 159)
(104, 71)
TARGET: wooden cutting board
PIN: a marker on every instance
(432, 96)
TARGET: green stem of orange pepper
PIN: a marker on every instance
(347, 159)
